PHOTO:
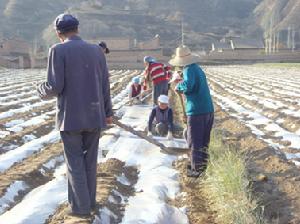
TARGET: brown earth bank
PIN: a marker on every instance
(111, 195)
(31, 171)
(274, 180)
(193, 197)
(16, 139)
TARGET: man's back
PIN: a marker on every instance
(78, 77)
(78, 70)
(157, 72)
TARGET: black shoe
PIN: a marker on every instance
(195, 172)
(192, 172)
(95, 209)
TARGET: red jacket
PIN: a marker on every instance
(156, 73)
(135, 92)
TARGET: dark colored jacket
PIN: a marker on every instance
(196, 90)
(78, 77)
(134, 92)
(161, 116)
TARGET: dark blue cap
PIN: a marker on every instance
(65, 22)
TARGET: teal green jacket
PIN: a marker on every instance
(196, 90)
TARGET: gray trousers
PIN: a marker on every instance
(159, 89)
(81, 152)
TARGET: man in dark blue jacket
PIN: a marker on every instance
(78, 77)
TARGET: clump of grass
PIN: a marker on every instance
(227, 186)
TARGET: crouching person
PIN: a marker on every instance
(161, 119)
(135, 91)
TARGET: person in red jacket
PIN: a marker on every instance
(155, 73)
(135, 90)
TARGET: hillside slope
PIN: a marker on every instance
(282, 13)
(203, 20)
(140, 18)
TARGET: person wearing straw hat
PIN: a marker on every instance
(199, 108)
(161, 118)
(155, 72)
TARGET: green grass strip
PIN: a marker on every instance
(227, 186)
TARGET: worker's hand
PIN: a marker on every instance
(170, 136)
(176, 81)
(109, 120)
(178, 92)
(149, 134)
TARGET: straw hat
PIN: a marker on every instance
(183, 57)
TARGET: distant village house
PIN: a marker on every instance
(15, 53)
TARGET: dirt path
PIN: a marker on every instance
(192, 197)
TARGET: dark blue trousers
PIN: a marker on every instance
(198, 137)
(159, 89)
(81, 152)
